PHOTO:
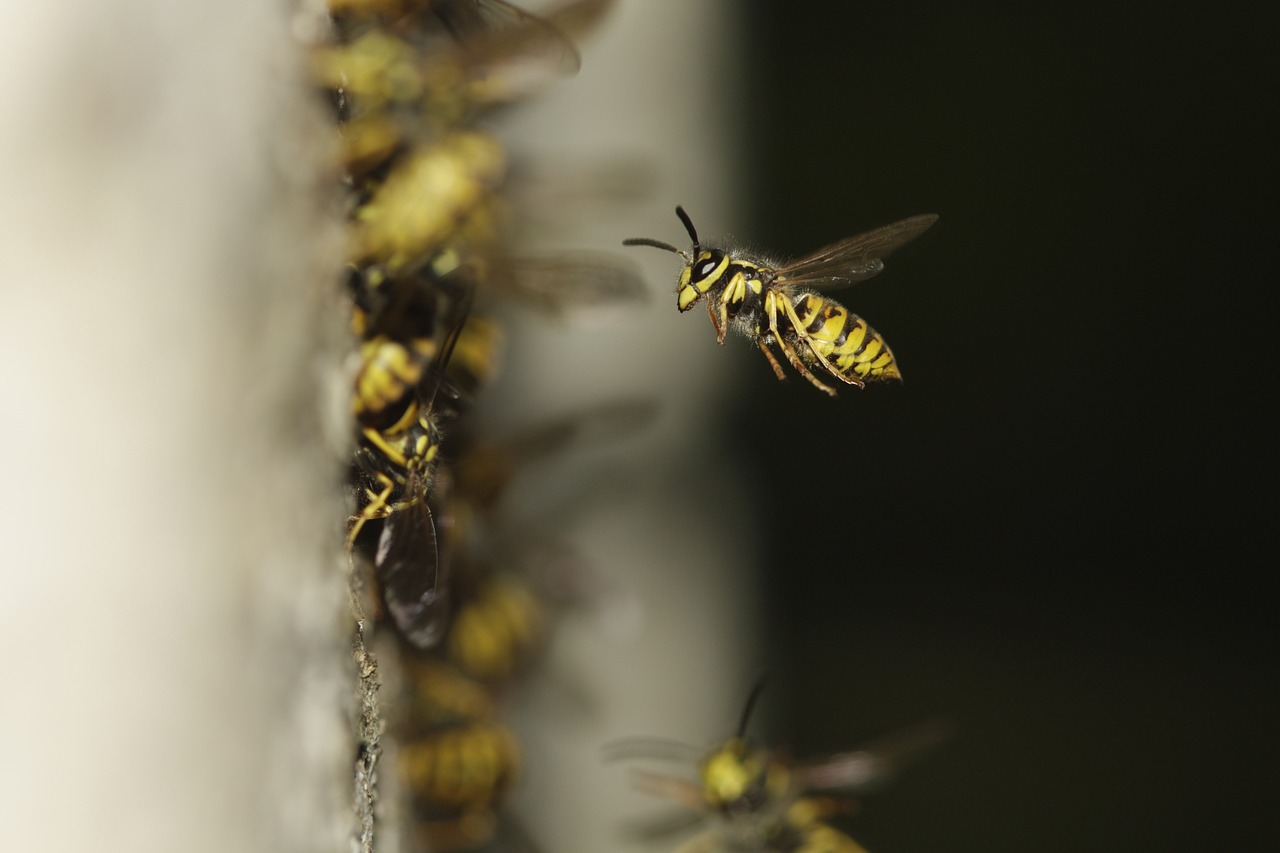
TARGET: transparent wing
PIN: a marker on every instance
(661, 826)
(854, 258)
(484, 471)
(517, 43)
(879, 760)
(573, 281)
(652, 749)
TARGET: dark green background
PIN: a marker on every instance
(1058, 531)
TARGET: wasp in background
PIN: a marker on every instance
(405, 72)
(757, 800)
(779, 304)
(456, 758)
(511, 577)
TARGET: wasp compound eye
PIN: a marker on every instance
(705, 268)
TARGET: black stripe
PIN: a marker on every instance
(868, 338)
(851, 320)
(820, 317)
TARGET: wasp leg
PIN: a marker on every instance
(764, 348)
(799, 365)
(715, 321)
(794, 320)
(379, 506)
(772, 309)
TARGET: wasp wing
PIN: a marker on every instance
(652, 749)
(875, 763)
(571, 282)
(407, 562)
(854, 258)
(485, 470)
(521, 52)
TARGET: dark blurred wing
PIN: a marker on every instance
(855, 258)
(875, 763)
(569, 282)
(407, 562)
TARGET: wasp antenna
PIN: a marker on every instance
(645, 241)
(688, 226)
(459, 310)
(751, 705)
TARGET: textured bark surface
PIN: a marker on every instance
(175, 614)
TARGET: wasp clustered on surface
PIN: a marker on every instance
(407, 79)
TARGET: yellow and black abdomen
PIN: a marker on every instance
(456, 759)
(464, 767)
(496, 629)
(826, 331)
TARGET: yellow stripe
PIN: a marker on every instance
(688, 295)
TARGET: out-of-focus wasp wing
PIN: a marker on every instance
(408, 565)
(512, 53)
(854, 258)
(660, 826)
(711, 841)
(485, 472)
(568, 282)
(863, 769)
(651, 749)
(552, 198)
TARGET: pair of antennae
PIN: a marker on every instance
(667, 247)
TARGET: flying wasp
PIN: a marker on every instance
(758, 800)
(774, 303)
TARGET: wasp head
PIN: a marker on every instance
(738, 779)
(703, 268)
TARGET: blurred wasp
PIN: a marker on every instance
(429, 68)
(758, 800)
(455, 760)
(501, 620)
(773, 303)
(465, 21)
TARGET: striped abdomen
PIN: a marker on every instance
(465, 767)
(827, 330)
(389, 372)
(493, 632)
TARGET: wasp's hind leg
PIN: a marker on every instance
(804, 370)
(763, 343)
(792, 357)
